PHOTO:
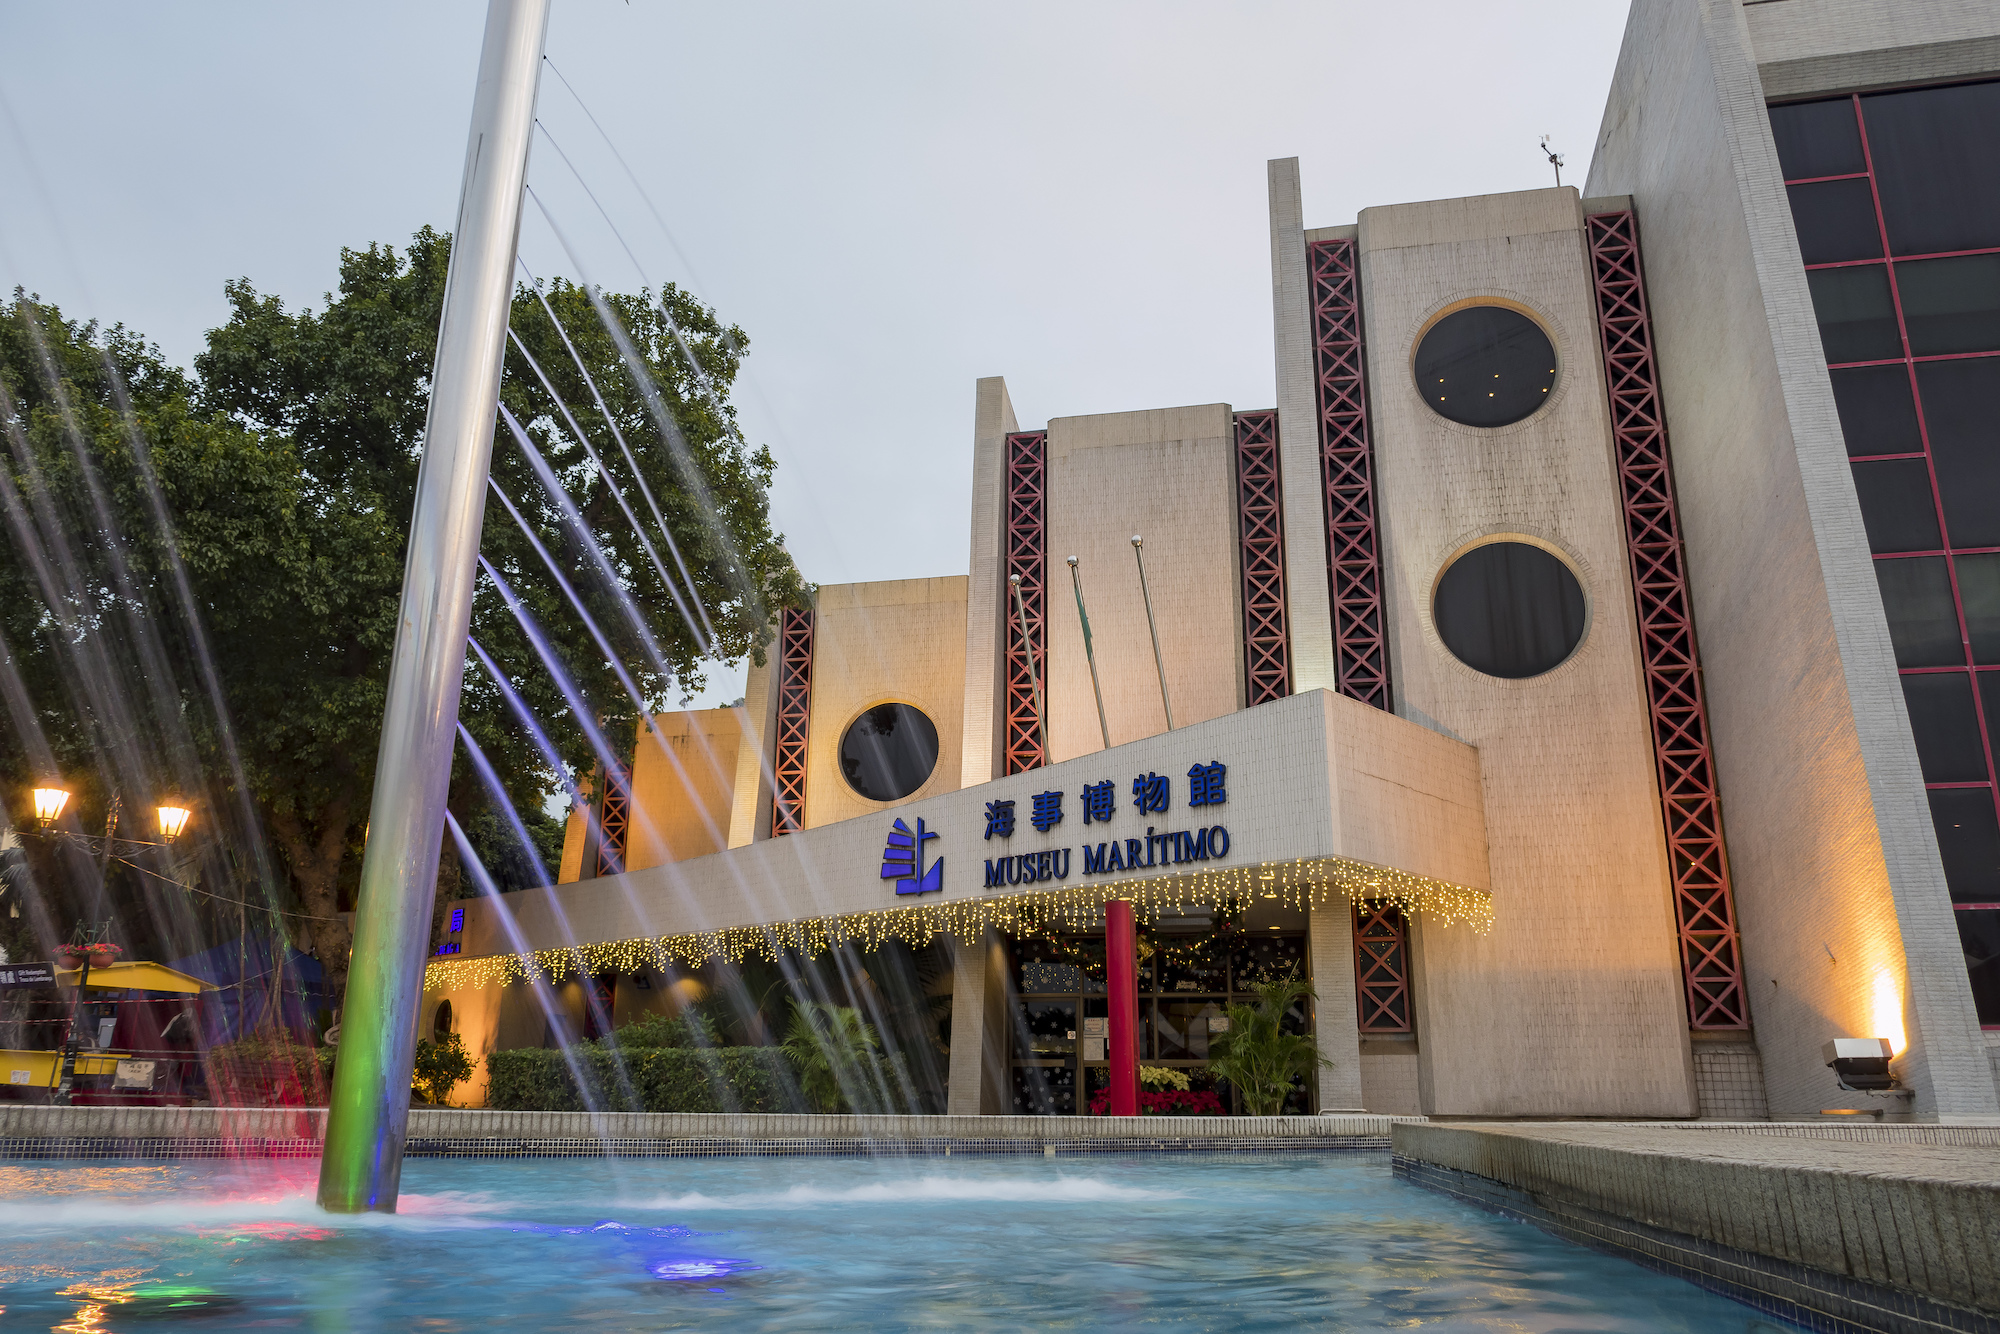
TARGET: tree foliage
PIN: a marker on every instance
(286, 469)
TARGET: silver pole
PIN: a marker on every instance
(370, 1106)
(1034, 678)
(1083, 618)
(1139, 554)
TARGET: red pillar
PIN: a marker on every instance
(1121, 977)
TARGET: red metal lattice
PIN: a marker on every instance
(788, 757)
(1027, 556)
(1267, 673)
(1381, 968)
(1711, 954)
(614, 818)
(1347, 469)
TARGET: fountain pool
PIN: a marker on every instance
(1165, 1242)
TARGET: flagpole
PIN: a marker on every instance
(1139, 554)
(1090, 653)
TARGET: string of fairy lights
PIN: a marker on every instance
(1303, 884)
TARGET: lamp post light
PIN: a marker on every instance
(49, 803)
(173, 813)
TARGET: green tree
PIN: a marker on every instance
(287, 470)
(1257, 1056)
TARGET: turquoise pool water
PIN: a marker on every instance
(1156, 1242)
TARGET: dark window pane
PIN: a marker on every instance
(889, 752)
(1044, 1090)
(1266, 958)
(1979, 933)
(1949, 305)
(1896, 505)
(1989, 700)
(1044, 1030)
(1946, 728)
(1937, 159)
(1184, 1028)
(1923, 622)
(1877, 414)
(1857, 320)
(1817, 139)
(1969, 840)
(1485, 366)
(1979, 595)
(1835, 221)
(1509, 609)
(1192, 963)
(1962, 415)
(1062, 964)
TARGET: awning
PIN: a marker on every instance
(135, 975)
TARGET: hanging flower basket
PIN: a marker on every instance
(99, 953)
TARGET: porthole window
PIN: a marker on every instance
(1485, 366)
(1509, 609)
(888, 752)
(441, 1021)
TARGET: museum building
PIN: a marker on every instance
(1587, 675)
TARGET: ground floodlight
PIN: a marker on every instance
(1860, 1064)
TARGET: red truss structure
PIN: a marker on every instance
(614, 819)
(1026, 546)
(1347, 470)
(1711, 951)
(1267, 665)
(788, 755)
(1381, 968)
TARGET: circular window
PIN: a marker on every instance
(1485, 366)
(888, 752)
(1509, 609)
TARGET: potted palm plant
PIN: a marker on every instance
(833, 1050)
(1257, 1056)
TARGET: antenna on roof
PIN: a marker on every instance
(1555, 159)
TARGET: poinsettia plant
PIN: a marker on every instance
(1165, 1102)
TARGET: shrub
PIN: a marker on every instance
(265, 1070)
(690, 1029)
(663, 1079)
(440, 1066)
(659, 1079)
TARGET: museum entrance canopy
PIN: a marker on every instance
(1309, 799)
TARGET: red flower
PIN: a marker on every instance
(1168, 1102)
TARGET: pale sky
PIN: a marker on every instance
(891, 199)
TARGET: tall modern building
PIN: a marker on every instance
(1586, 673)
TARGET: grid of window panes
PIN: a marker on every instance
(1896, 200)
(1184, 982)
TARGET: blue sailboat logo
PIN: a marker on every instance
(903, 861)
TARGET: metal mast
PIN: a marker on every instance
(370, 1106)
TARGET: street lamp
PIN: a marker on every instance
(49, 803)
(173, 819)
